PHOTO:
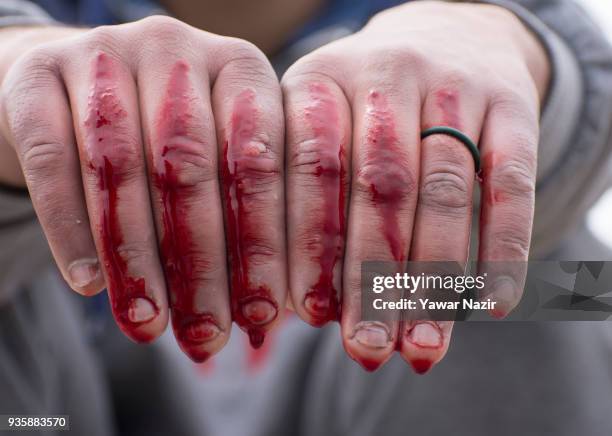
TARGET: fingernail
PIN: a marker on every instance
(372, 335)
(259, 311)
(141, 310)
(505, 293)
(199, 332)
(83, 272)
(425, 335)
(316, 305)
(321, 307)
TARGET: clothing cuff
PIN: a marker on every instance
(23, 250)
(22, 13)
(562, 105)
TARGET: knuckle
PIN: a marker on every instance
(191, 168)
(393, 61)
(445, 187)
(244, 53)
(134, 252)
(162, 24)
(242, 49)
(162, 31)
(208, 265)
(449, 83)
(260, 250)
(457, 78)
(34, 71)
(42, 158)
(392, 183)
(256, 186)
(129, 167)
(127, 164)
(102, 38)
(208, 268)
(514, 177)
(318, 66)
(256, 171)
(308, 241)
(259, 74)
(259, 160)
(125, 156)
(516, 103)
(312, 157)
(512, 242)
(58, 220)
(243, 61)
(40, 59)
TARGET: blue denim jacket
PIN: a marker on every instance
(351, 14)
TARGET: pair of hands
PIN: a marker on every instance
(170, 166)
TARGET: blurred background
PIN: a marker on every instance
(601, 216)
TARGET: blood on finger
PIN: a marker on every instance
(369, 365)
(243, 165)
(177, 251)
(421, 366)
(322, 300)
(491, 195)
(130, 303)
(448, 103)
(388, 179)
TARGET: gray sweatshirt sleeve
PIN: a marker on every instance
(575, 138)
(22, 13)
(23, 249)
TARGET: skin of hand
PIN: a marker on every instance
(187, 121)
(142, 145)
(361, 185)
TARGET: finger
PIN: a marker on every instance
(383, 199)
(43, 137)
(247, 106)
(318, 147)
(107, 126)
(182, 153)
(509, 151)
(444, 211)
(425, 343)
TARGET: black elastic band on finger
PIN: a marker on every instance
(457, 134)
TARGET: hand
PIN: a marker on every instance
(361, 185)
(121, 133)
